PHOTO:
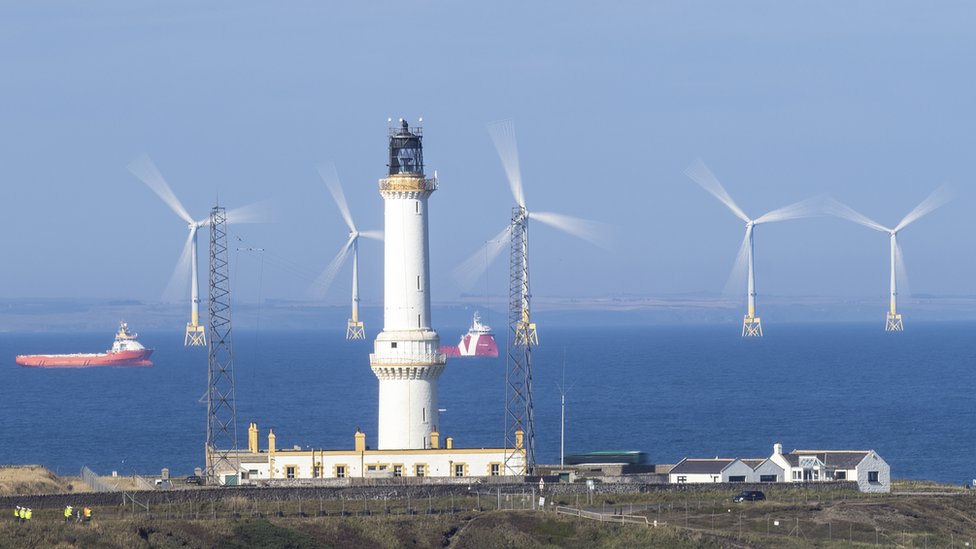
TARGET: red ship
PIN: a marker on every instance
(478, 342)
(126, 351)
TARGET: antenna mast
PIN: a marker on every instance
(221, 406)
(520, 423)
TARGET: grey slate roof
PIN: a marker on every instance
(701, 466)
(753, 462)
(831, 459)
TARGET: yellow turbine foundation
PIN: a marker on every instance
(196, 335)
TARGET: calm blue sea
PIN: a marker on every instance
(670, 391)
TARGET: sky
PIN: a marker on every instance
(870, 102)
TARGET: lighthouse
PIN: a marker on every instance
(406, 355)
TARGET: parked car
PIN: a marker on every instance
(749, 495)
(194, 479)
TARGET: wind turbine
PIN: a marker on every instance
(893, 321)
(503, 136)
(354, 328)
(143, 168)
(699, 173)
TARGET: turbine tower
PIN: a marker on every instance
(406, 355)
(354, 328)
(699, 173)
(143, 168)
(893, 320)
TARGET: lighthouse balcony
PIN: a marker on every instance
(408, 183)
(425, 359)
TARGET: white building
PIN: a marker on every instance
(866, 467)
(272, 463)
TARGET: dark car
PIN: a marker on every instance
(749, 495)
(194, 479)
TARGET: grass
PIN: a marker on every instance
(938, 518)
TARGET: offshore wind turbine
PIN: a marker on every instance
(144, 169)
(893, 320)
(699, 173)
(354, 328)
(503, 136)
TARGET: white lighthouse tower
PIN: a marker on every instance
(406, 354)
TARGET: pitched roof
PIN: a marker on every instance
(753, 462)
(834, 459)
(701, 466)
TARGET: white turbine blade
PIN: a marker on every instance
(593, 232)
(810, 207)
(503, 135)
(468, 272)
(938, 197)
(324, 280)
(331, 178)
(699, 173)
(735, 285)
(375, 235)
(839, 209)
(143, 168)
(901, 274)
(259, 212)
(176, 289)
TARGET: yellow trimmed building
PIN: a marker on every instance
(271, 463)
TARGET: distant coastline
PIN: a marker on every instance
(97, 315)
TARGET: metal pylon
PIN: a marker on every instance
(519, 420)
(221, 407)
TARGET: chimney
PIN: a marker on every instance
(271, 441)
(360, 441)
(777, 449)
(252, 438)
(435, 440)
(449, 441)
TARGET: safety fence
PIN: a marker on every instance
(97, 484)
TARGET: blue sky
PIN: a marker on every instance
(870, 102)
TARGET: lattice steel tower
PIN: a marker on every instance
(221, 407)
(520, 423)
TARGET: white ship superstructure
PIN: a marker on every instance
(406, 355)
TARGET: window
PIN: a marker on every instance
(393, 345)
(418, 322)
(767, 478)
(290, 471)
(873, 476)
(417, 206)
(495, 469)
(737, 478)
(317, 471)
(418, 282)
(398, 470)
(420, 470)
(840, 475)
(340, 471)
(459, 469)
(252, 473)
(682, 478)
(423, 416)
(796, 475)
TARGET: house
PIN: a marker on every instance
(871, 472)
(865, 467)
(699, 470)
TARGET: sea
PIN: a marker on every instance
(670, 391)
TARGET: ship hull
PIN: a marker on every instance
(122, 358)
(474, 345)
